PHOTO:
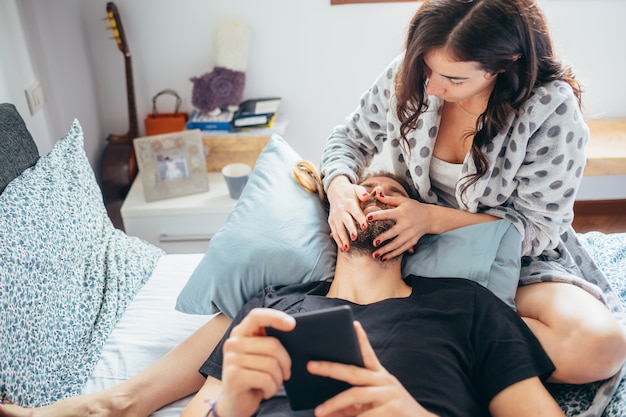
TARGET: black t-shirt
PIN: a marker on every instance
(451, 343)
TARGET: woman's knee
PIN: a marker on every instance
(602, 346)
(581, 336)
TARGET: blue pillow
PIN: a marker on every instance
(278, 234)
(488, 253)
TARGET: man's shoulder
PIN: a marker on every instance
(459, 288)
(278, 292)
(296, 288)
(441, 282)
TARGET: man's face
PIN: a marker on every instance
(376, 186)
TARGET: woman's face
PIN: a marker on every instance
(453, 80)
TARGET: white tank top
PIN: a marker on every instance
(444, 177)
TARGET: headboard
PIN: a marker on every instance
(18, 150)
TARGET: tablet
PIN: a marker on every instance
(326, 335)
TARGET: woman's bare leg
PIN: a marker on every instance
(580, 335)
(172, 377)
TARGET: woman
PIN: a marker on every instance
(484, 120)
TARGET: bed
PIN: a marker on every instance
(83, 306)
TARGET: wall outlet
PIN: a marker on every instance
(35, 97)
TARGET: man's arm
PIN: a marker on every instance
(254, 367)
(201, 403)
(527, 398)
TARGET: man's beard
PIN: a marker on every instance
(364, 241)
(365, 238)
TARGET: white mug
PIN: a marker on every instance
(236, 177)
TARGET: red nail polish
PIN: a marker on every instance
(363, 226)
(353, 236)
(370, 217)
(376, 256)
(376, 242)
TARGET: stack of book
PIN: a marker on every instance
(260, 112)
(203, 121)
(253, 113)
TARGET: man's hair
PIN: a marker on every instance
(309, 177)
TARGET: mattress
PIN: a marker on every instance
(149, 328)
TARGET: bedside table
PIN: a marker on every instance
(178, 225)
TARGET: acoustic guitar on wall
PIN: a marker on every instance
(118, 163)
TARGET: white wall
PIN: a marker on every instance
(317, 57)
(590, 36)
(17, 69)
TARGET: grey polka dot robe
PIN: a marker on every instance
(534, 171)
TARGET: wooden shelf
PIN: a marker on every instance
(606, 150)
(607, 216)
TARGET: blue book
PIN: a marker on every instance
(203, 121)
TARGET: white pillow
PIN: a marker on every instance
(66, 275)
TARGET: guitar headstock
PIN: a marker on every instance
(116, 27)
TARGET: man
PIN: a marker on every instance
(438, 346)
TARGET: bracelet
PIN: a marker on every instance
(213, 410)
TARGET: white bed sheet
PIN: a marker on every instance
(149, 328)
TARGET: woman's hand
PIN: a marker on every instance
(254, 365)
(412, 219)
(375, 391)
(345, 209)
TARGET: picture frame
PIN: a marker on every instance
(171, 164)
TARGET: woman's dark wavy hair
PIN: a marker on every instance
(507, 37)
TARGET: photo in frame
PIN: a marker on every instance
(172, 164)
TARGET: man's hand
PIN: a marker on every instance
(254, 365)
(375, 391)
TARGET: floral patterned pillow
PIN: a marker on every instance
(66, 275)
